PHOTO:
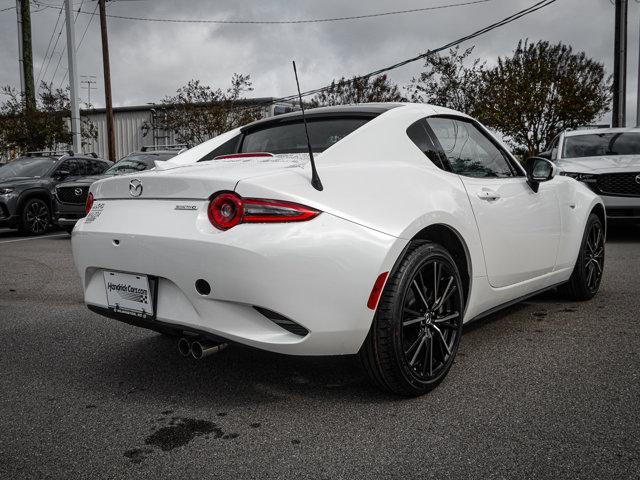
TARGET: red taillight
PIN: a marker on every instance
(374, 296)
(89, 204)
(225, 210)
(228, 209)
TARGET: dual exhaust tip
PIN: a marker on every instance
(199, 348)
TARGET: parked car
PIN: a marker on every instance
(421, 221)
(26, 184)
(69, 198)
(607, 161)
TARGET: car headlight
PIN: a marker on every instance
(581, 177)
(6, 190)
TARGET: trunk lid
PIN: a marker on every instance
(197, 181)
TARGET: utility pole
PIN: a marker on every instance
(620, 65)
(111, 140)
(638, 95)
(89, 81)
(26, 55)
(20, 59)
(73, 77)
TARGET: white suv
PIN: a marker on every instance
(608, 161)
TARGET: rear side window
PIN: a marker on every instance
(291, 138)
(74, 167)
(95, 167)
(419, 135)
(227, 148)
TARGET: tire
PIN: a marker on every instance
(35, 217)
(587, 272)
(413, 341)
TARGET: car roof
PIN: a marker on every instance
(596, 131)
(65, 156)
(367, 110)
(154, 152)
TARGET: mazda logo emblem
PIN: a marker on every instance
(135, 188)
(78, 192)
(638, 178)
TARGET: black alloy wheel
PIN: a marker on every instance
(587, 273)
(431, 320)
(418, 324)
(594, 256)
(36, 217)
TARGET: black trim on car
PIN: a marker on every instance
(510, 303)
(340, 111)
(155, 325)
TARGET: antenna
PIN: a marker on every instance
(89, 81)
(315, 179)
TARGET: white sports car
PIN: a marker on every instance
(423, 222)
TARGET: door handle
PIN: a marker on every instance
(488, 195)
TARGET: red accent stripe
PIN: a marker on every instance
(376, 291)
(244, 155)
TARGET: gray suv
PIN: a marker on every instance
(26, 186)
(70, 196)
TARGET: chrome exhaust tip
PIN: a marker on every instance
(184, 347)
(204, 348)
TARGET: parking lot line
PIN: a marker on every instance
(34, 238)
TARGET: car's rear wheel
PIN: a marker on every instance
(587, 273)
(35, 218)
(418, 323)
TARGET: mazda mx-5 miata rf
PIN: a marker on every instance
(420, 222)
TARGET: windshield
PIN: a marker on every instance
(137, 163)
(598, 144)
(291, 138)
(27, 167)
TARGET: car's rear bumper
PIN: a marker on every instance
(318, 274)
(622, 208)
(66, 214)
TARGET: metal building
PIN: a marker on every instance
(129, 121)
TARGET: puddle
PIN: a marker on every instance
(182, 432)
(178, 433)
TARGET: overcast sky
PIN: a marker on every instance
(150, 60)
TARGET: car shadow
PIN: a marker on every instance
(622, 232)
(152, 369)
(15, 234)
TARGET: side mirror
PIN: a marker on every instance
(62, 173)
(539, 170)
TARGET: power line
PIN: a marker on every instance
(46, 53)
(284, 22)
(37, 2)
(80, 42)
(511, 18)
(87, 27)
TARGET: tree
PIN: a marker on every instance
(197, 112)
(540, 91)
(358, 90)
(447, 81)
(23, 129)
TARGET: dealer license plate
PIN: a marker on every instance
(129, 293)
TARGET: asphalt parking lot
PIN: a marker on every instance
(545, 389)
